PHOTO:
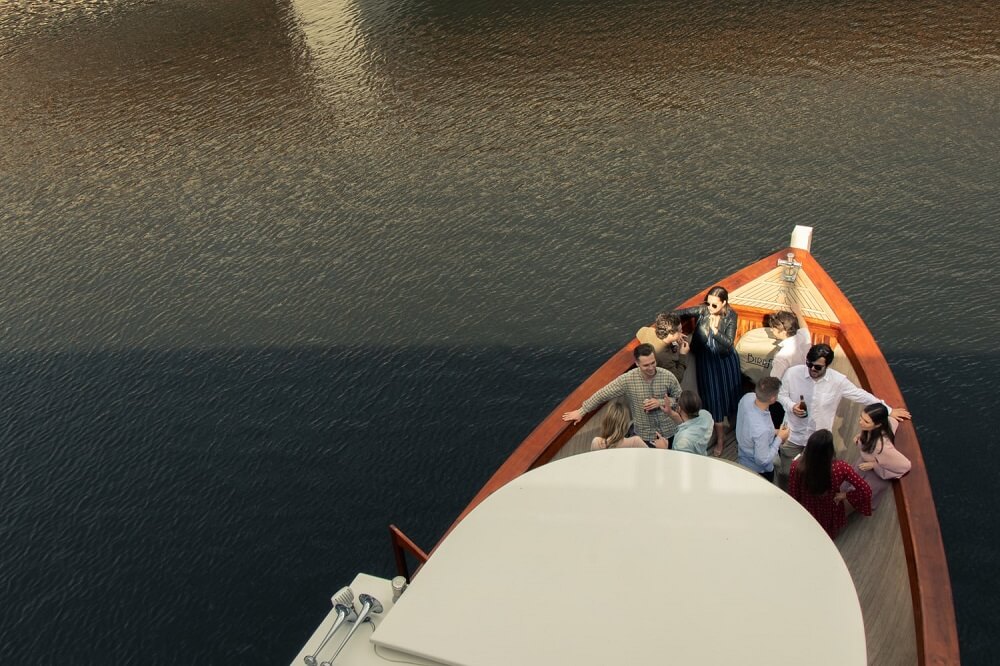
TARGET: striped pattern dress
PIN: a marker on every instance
(719, 375)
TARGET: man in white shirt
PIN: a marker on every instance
(821, 388)
(793, 331)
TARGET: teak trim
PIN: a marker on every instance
(401, 545)
(930, 584)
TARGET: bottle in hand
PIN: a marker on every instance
(802, 406)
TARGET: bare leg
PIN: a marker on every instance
(720, 439)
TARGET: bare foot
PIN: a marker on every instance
(720, 440)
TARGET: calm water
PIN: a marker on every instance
(275, 274)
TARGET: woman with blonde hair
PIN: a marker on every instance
(614, 431)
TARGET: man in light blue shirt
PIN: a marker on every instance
(696, 425)
(755, 433)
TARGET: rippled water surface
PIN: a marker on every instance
(275, 274)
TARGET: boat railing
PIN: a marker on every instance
(934, 614)
(402, 546)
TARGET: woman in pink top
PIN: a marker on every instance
(614, 429)
(880, 461)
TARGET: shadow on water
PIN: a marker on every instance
(742, 36)
(199, 506)
(949, 395)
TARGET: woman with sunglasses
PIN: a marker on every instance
(880, 461)
(821, 483)
(719, 376)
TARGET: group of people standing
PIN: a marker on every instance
(787, 419)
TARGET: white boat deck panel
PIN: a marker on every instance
(626, 556)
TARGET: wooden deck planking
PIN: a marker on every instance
(771, 292)
(872, 548)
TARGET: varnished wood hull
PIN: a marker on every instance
(897, 557)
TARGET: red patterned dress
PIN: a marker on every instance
(829, 513)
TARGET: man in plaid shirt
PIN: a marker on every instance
(648, 389)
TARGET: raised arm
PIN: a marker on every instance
(891, 464)
(766, 444)
(797, 311)
(850, 391)
(675, 363)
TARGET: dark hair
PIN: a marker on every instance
(816, 463)
(667, 323)
(689, 403)
(879, 414)
(645, 349)
(822, 350)
(784, 320)
(719, 292)
(767, 388)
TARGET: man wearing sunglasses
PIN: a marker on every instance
(821, 388)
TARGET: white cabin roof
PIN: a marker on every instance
(634, 556)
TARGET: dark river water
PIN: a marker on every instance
(277, 273)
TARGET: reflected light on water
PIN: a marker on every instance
(338, 52)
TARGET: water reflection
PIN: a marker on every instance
(337, 47)
(161, 154)
(148, 65)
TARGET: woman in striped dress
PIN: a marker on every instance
(719, 376)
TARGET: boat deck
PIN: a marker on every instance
(872, 547)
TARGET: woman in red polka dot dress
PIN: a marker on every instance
(816, 480)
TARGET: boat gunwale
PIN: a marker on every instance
(930, 584)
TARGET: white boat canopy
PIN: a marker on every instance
(632, 556)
